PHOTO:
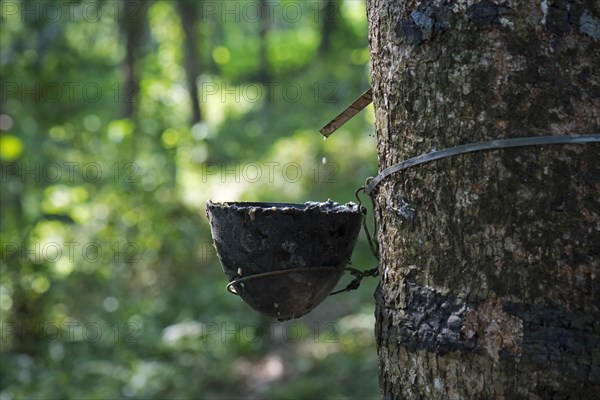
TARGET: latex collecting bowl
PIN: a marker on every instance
(284, 259)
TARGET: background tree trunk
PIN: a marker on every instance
(489, 261)
(132, 28)
(328, 24)
(264, 75)
(189, 14)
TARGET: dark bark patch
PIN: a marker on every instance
(557, 21)
(409, 31)
(423, 23)
(432, 321)
(592, 175)
(557, 337)
(486, 13)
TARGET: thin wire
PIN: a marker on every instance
(373, 244)
(241, 280)
(472, 147)
(375, 225)
(358, 276)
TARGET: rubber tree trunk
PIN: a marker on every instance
(490, 282)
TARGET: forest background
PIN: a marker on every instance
(118, 121)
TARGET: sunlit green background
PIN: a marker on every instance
(109, 285)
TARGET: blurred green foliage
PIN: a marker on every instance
(110, 287)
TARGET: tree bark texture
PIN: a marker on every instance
(489, 261)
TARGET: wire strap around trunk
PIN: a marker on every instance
(472, 147)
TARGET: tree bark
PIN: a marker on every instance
(489, 261)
